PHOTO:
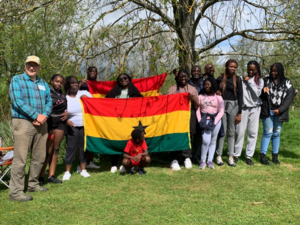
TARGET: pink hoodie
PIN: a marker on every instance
(211, 104)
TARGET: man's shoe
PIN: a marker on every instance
(263, 159)
(230, 162)
(21, 198)
(41, 181)
(219, 161)
(142, 171)
(235, 159)
(54, 180)
(275, 159)
(175, 165)
(92, 165)
(38, 189)
(249, 162)
(188, 163)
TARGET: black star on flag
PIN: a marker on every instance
(141, 127)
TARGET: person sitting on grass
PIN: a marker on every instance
(136, 153)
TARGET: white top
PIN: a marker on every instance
(124, 94)
(74, 108)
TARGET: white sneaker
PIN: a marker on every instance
(84, 173)
(188, 163)
(219, 161)
(66, 176)
(92, 166)
(175, 165)
(113, 169)
(122, 169)
(78, 169)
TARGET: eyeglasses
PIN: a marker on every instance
(123, 78)
(30, 64)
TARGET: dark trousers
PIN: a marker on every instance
(114, 160)
(196, 144)
(75, 140)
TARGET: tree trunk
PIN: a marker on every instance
(187, 54)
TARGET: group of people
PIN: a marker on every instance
(42, 116)
(229, 105)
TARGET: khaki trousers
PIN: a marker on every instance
(27, 136)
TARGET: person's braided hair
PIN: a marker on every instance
(224, 75)
(280, 70)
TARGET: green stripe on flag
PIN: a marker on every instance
(164, 143)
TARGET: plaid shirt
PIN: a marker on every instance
(29, 98)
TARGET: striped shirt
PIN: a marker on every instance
(29, 98)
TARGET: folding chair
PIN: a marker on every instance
(5, 164)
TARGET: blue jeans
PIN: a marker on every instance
(272, 129)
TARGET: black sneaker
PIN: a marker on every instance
(54, 180)
(235, 159)
(142, 171)
(249, 162)
(132, 171)
(41, 181)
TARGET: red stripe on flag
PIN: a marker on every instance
(136, 107)
(142, 84)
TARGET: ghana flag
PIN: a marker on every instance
(148, 86)
(108, 123)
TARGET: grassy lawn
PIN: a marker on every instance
(241, 195)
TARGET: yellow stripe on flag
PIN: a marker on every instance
(121, 128)
(145, 94)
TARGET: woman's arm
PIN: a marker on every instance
(240, 94)
(220, 109)
(198, 113)
(194, 100)
(288, 98)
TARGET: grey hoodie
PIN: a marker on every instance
(251, 92)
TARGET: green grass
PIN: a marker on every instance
(222, 196)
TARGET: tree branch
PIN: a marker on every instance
(240, 54)
(244, 34)
(153, 8)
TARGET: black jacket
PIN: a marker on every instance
(283, 108)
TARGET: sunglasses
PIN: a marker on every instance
(123, 78)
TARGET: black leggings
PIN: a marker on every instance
(75, 140)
